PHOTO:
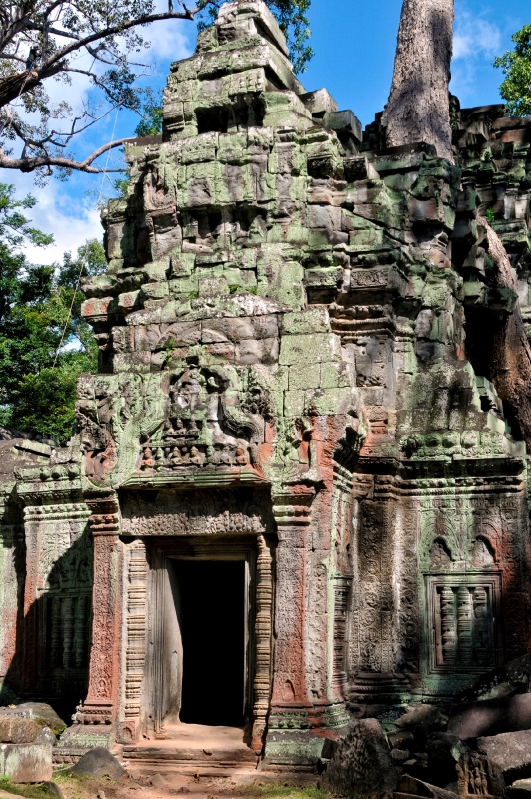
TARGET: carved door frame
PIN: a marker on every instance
(251, 549)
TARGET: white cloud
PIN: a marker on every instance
(63, 209)
(476, 43)
(71, 219)
(475, 37)
(171, 39)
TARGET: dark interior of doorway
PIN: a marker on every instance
(212, 600)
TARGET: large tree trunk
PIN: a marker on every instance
(418, 108)
(511, 351)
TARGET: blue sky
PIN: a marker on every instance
(354, 43)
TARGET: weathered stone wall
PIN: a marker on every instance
(290, 355)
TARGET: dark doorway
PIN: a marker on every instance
(212, 621)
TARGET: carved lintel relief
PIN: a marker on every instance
(195, 513)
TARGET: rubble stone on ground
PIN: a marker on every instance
(362, 764)
(99, 762)
(510, 751)
(18, 730)
(26, 762)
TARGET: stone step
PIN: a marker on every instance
(169, 768)
(212, 758)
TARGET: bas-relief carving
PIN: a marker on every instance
(285, 307)
(207, 423)
(196, 513)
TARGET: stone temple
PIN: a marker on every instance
(294, 495)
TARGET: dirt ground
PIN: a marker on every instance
(168, 786)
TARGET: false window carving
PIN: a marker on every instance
(463, 609)
(66, 629)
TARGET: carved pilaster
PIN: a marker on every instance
(100, 704)
(68, 629)
(292, 513)
(264, 604)
(136, 627)
(79, 632)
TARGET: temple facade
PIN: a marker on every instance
(293, 494)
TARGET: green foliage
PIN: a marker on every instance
(28, 790)
(151, 123)
(14, 227)
(291, 16)
(516, 66)
(490, 215)
(38, 303)
(46, 401)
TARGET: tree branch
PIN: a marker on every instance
(13, 86)
(30, 164)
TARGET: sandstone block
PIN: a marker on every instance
(252, 351)
(520, 789)
(319, 102)
(310, 349)
(491, 716)
(362, 764)
(400, 739)
(18, 730)
(303, 376)
(26, 762)
(337, 375)
(509, 750)
(45, 736)
(43, 713)
(410, 786)
(315, 320)
(344, 121)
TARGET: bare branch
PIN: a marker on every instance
(12, 57)
(12, 86)
(30, 164)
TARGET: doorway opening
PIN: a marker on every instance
(212, 621)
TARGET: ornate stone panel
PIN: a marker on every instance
(195, 513)
(462, 620)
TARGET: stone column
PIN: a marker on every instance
(290, 721)
(102, 697)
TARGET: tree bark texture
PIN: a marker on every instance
(511, 351)
(418, 108)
